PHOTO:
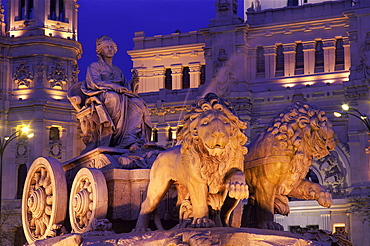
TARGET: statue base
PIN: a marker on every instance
(187, 236)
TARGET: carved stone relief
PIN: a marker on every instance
(23, 76)
(333, 173)
(40, 72)
(75, 72)
(223, 74)
(363, 68)
(57, 76)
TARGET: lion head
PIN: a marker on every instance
(212, 137)
(303, 128)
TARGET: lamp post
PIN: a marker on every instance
(362, 117)
(4, 142)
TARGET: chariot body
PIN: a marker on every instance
(86, 194)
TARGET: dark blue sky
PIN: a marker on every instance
(120, 19)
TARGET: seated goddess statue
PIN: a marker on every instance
(116, 116)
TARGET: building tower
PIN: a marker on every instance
(38, 63)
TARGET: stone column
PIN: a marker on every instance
(329, 55)
(176, 77)
(289, 59)
(157, 78)
(194, 74)
(309, 57)
(270, 61)
(347, 55)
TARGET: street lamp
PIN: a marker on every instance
(4, 142)
(362, 117)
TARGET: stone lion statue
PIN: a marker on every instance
(207, 162)
(278, 162)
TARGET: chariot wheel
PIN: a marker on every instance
(88, 199)
(44, 201)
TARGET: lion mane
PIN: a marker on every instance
(212, 168)
(282, 154)
(301, 131)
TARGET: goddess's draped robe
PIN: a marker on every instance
(129, 121)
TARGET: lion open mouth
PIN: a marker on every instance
(215, 150)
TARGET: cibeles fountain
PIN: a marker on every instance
(121, 177)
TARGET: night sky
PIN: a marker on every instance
(120, 19)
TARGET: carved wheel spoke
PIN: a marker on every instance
(88, 199)
(44, 199)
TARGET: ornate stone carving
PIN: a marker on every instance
(75, 72)
(55, 150)
(223, 74)
(279, 159)
(57, 76)
(40, 68)
(23, 77)
(224, 5)
(333, 172)
(208, 162)
(21, 148)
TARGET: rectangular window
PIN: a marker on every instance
(185, 77)
(319, 57)
(53, 10)
(26, 10)
(168, 79)
(57, 10)
(279, 60)
(260, 59)
(339, 54)
(299, 59)
(61, 15)
(202, 74)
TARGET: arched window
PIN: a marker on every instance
(299, 59)
(319, 57)
(339, 54)
(279, 60)
(169, 134)
(202, 74)
(54, 133)
(154, 135)
(185, 77)
(260, 59)
(22, 174)
(168, 79)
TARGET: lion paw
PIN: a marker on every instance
(324, 199)
(238, 190)
(270, 225)
(202, 223)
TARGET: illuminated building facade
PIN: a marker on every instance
(284, 51)
(38, 62)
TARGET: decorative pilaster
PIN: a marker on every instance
(270, 61)
(289, 59)
(329, 55)
(309, 57)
